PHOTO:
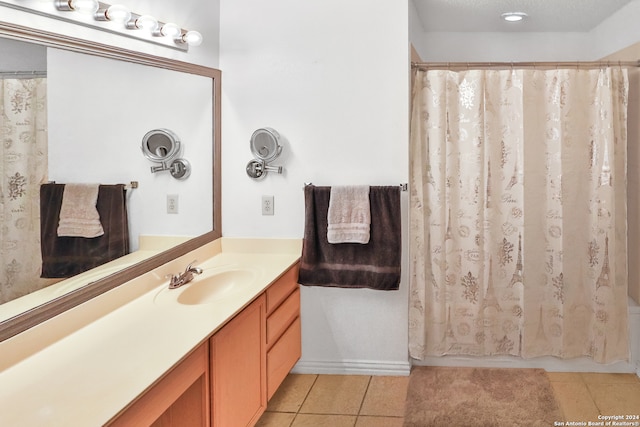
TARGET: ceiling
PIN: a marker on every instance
(543, 15)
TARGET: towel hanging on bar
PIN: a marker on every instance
(375, 265)
(68, 256)
(349, 215)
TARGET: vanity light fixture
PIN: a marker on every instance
(140, 26)
(192, 38)
(114, 13)
(170, 30)
(83, 6)
(513, 16)
(144, 22)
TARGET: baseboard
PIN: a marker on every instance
(352, 367)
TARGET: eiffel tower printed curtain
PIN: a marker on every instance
(518, 213)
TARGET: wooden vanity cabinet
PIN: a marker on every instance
(238, 368)
(283, 328)
(253, 353)
(180, 398)
(227, 381)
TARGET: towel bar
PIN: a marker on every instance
(403, 186)
(132, 185)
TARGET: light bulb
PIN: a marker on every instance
(192, 38)
(147, 22)
(84, 6)
(514, 16)
(170, 30)
(118, 13)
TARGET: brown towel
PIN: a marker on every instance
(352, 265)
(67, 256)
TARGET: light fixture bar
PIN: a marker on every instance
(115, 19)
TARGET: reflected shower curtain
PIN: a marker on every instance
(518, 213)
(23, 126)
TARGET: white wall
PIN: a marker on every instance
(332, 77)
(617, 32)
(98, 115)
(20, 56)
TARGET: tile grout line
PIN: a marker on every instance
(306, 396)
(364, 395)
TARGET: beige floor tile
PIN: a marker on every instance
(379, 422)
(385, 396)
(314, 420)
(291, 393)
(575, 401)
(276, 419)
(616, 399)
(598, 378)
(336, 394)
(565, 377)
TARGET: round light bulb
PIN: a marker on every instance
(514, 16)
(118, 13)
(192, 38)
(84, 6)
(147, 22)
(171, 30)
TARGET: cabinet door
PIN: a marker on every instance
(238, 368)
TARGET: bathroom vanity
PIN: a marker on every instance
(211, 352)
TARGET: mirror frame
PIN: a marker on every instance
(30, 318)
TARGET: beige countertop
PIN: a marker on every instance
(91, 373)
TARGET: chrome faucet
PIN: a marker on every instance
(180, 279)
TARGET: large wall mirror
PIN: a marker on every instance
(100, 101)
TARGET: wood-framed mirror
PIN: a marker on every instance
(41, 312)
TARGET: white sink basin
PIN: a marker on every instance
(210, 287)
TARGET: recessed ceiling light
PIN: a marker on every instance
(513, 16)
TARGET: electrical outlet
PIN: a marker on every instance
(267, 205)
(172, 203)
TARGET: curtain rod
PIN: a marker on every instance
(488, 65)
(22, 74)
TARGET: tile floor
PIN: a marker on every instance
(337, 401)
(378, 401)
(584, 396)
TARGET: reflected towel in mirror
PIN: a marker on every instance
(79, 216)
(67, 256)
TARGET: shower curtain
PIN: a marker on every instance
(518, 213)
(23, 126)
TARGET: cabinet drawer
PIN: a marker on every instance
(280, 319)
(283, 356)
(280, 290)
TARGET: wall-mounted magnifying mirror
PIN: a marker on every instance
(163, 146)
(265, 146)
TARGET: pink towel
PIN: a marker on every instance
(349, 215)
(78, 214)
